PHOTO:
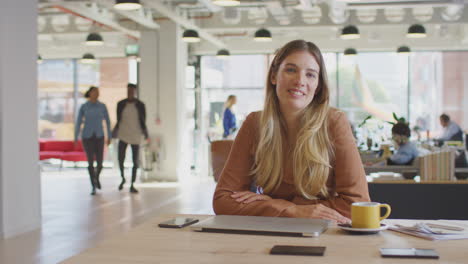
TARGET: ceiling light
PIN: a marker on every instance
(39, 59)
(366, 15)
(127, 4)
(94, 39)
(394, 14)
(223, 53)
(350, 52)
(452, 12)
(403, 49)
(262, 35)
(416, 31)
(350, 32)
(423, 13)
(226, 2)
(88, 58)
(191, 36)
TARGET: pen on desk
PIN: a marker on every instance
(452, 228)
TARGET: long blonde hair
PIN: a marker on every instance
(312, 151)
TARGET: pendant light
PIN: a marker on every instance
(39, 59)
(223, 53)
(350, 52)
(263, 35)
(403, 50)
(416, 31)
(94, 39)
(226, 2)
(350, 32)
(127, 4)
(190, 36)
(88, 58)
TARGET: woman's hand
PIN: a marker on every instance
(323, 212)
(248, 197)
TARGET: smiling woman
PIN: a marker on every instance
(296, 81)
(298, 152)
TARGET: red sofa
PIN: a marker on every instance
(63, 150)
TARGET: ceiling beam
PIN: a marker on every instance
(278, 12)
(210, 6)
(141, 16)
(92, 12)
(184, 22)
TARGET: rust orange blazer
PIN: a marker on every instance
(346, 183)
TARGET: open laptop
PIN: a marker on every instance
(263, 225)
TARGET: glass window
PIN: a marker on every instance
(365, 89)
(113, 79)
(190, 77)
(56, 100)
(88, 75)
(239, 75)
(426, 90)
(330, 64)
(454, 84)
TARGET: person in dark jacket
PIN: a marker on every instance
(93, 112)
(229, 119)
(130, 128)
(407, 151)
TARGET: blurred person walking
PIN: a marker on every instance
(229, 118)
(93, 112)
(130, 128)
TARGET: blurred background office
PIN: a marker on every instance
(385, 59)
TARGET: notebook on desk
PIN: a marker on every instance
(263, 225)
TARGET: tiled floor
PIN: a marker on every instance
(73, 220)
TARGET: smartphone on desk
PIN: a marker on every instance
(408, 253)
(297, 250)
(178, 222)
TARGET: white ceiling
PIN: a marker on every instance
(64, 25)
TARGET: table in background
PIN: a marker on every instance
(149, 244)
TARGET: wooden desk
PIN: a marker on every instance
(149, 244)
(392, 168)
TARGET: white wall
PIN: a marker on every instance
(20, 199)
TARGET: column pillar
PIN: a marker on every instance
(162, 88)
(20, 183)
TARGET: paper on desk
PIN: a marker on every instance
(433, 230)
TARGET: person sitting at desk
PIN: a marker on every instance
(407, 151)
(452, 131)
(298, 152)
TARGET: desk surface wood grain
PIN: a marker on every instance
(148, 243)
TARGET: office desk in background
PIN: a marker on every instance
(148, 243)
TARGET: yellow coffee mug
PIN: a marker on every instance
(367, 214)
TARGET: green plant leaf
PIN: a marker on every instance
(365, 120)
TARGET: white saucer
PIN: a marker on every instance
(348, 228)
